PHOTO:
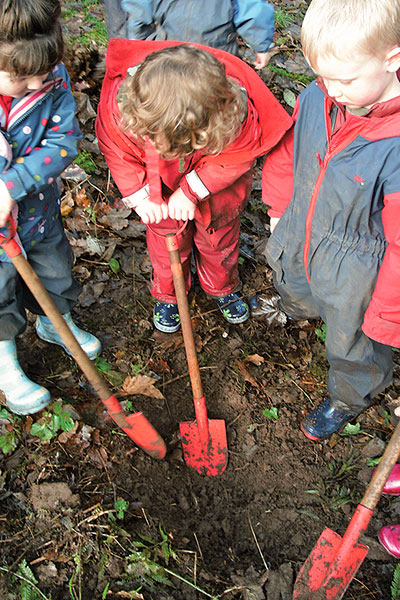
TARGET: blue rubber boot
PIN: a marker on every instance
(88, 342)
(234, 308)
(325, 420)
(166, 317)
(23, 396)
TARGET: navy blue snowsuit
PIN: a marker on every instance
(335, 252)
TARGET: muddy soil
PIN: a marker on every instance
(93, 516)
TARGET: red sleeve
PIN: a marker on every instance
(217, 172)
(382, 318)
(277, 175)
(124, 158)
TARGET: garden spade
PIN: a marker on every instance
(334, 560)
(136, 426)
(203, 441)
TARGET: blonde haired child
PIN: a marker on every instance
(180, 127)
(333, 186)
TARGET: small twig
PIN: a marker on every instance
(237, 417)
(257, 544)
(364, 586)
(105, 468)
(145, 518)
(26, 580)
(96, 516)
(301, 389)
(95, 187)
(133, 275)
(237, 588)
(198, 545)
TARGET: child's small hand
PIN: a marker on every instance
(180, 207)
(150, 212)
(262, 59)
(6, 203)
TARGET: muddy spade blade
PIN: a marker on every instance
(203, 441)
(210, 461)
(334, 560)
(204, 444)
(323, 576)
(138, 428)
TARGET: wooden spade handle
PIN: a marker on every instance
(171, 241)
(379, 478)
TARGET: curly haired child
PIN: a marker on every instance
(180, 127)
(39, 138)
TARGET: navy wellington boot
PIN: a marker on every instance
(325, 420)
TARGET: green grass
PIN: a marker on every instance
(97, 30)
(282, 18)
(306, 79)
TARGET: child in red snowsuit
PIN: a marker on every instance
(180, 127)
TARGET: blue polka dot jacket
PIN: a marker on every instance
(44, 136)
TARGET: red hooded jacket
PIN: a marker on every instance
(264, 126)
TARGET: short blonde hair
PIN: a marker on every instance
(181, 98)
(372, 28)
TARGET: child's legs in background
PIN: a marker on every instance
(217, 258)
(52, 261)
(116, 19)
(162, 283)
(360, 368)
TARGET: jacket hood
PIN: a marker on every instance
(122, 54)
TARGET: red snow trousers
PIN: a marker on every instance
(216, 255)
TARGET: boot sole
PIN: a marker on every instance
(315, 438)
(166, 329)
(31, 410)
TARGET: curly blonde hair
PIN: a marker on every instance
(181, 98)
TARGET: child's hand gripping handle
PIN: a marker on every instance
(8, 243)
(136, 426)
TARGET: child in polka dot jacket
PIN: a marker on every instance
(39, 138)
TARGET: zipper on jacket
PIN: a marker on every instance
(332, 150)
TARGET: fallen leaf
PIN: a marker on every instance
(116, 219)
(67, 435)
(141, 384)
(245, 374)
(256, 359)
(67, 204)
(159, 366)
(81, 198)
